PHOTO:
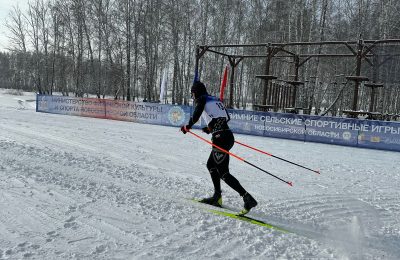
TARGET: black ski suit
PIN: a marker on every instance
(214, 113)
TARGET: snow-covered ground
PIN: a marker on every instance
(84, 188)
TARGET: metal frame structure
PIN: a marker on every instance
(360, 50)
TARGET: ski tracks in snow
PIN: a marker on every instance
(79, 188)
(349, 223)
(74, 201)
(85, 193)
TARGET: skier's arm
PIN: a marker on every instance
(198, 110)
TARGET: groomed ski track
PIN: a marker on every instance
(83, 188)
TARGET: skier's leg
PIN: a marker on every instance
(216, 199)
(222, 162)
(249, 201)
(226, 141)
(214, 174)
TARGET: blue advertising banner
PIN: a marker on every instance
(147, 113)
(90, 107)
(380, 135)
(340, 131)
(282, 125)
(246, 122)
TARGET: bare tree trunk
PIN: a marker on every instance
(45, 43)
(56, 20)
(128, 49)
(99, 11)
(34, 24)
(317, 90)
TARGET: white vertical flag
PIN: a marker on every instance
(163, 86)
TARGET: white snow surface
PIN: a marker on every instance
(84, 188)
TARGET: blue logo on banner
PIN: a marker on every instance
(346, 136)
(176, 116)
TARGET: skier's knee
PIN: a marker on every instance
(225, 176)
(214, 171)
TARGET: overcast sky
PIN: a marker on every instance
(5, 8)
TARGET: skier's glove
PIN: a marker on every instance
(206, 130)
(185, 128)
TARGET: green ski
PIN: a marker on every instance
(247, 219)
(225, 212)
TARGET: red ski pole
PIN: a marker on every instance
(239, 158)
(260, 151)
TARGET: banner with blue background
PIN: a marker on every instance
(333, 130)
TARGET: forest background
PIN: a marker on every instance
(122, 48)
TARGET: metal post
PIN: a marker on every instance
(296, 78)
(358, 72)
(267, 68)
(372, 105)
(374, 80)
(233, 62)
(197, 63)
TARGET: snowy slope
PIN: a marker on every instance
(83, 188)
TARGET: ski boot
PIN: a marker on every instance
(249, 203)
(215, 200)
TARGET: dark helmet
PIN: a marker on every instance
(198, 89)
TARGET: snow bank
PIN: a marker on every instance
(84, 188)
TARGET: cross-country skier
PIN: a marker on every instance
(214, 113)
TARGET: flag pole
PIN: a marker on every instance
(223, 83)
